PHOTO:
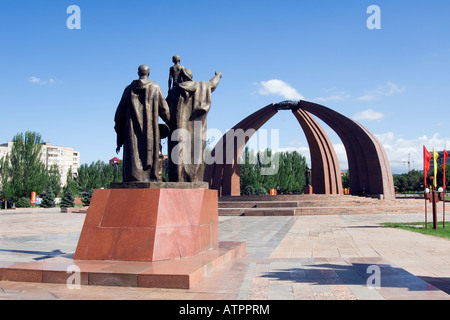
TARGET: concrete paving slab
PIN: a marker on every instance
(280, 261)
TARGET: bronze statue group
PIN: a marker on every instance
(183, 112)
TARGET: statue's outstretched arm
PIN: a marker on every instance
(215, 81)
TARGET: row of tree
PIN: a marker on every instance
(263, 171)
(97, 175)
(22, 172)
(290, 177)
(413, 181)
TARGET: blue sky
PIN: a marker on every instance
(66, 84)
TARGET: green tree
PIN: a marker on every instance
(440, 176)
(409, 182)
(71, 183)
(22, 170)
(345, 180)
(288, 172)
(98, 175)
(249, 172)
(68, 199)
(87, 197)
(48, 201)
(54, 179)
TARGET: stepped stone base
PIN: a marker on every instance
(294, 205)
(140, 237)
(170, 274)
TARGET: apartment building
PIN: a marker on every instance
(65, 158)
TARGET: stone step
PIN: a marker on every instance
(358, 210)
(289, 197)
(324, 207)
(259, 204)
(319, 205)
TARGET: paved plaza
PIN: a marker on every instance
(333, 257)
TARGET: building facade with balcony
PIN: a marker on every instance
(66, 158)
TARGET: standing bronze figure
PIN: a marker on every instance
(190, 102)
(136, 125)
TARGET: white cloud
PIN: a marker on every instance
(34, 80)
(338, 97)
(403, 153)
(400, 150)
(333, 94)
(368, 115)
(367, 97)
(280, 88)
(386, 90)
(41, 82)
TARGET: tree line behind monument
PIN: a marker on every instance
(26, 174)
(289, 179)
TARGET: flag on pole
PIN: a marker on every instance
(435, 157)
(444, 165)
(426, 164)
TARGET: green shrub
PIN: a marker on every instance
(261, 191)
(249, 191)
(23, 203)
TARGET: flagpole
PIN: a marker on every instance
(444, 184)
(426, 211)
(435, 218)
(426, 168)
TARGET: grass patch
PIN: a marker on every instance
(420, 228)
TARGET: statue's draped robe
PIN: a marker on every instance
(136, 125)
(188, 126)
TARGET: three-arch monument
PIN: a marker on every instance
(369, 169)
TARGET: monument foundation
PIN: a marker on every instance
(152, 223)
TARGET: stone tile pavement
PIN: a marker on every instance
(288, 258)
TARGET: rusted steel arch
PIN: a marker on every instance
(224, 176)
(369, 167)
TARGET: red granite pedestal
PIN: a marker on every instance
(153, 236)
(149, 224)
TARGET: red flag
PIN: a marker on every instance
(445, 162)
(426, 164)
